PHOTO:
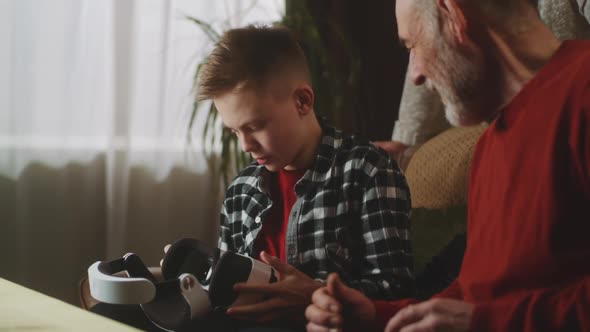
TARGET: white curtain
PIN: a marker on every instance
(95, 97)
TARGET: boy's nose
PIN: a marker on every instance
(248, 143)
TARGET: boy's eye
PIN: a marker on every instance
(254, 127)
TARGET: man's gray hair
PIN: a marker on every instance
(496, 11)
(428, 12)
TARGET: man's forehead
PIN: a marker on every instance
(405, 12)
(403, 7)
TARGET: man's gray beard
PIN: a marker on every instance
(462, 86)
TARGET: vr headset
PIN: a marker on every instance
(197, 281)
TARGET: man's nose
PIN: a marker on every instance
(415, 70)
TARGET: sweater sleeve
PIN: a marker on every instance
(451, 292)
(585, 134)
(579, 142)
(564, 309)
(421, 115)
(385, 310)
(584, 6)
(225, 238)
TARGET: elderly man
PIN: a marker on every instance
(526, 263)
(421, 112)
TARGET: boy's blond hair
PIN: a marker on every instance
(249, 57)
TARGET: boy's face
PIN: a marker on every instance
(268, 125)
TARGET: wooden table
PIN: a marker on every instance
(22, 309)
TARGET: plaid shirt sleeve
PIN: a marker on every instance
(387, 263)
(225, 234)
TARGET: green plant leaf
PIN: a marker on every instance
(197, 72)
(191, 122)
(206, 28)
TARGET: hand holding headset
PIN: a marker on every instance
(197, 280)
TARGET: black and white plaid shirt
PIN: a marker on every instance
(351, 216)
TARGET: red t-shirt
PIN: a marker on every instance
(527, 263)
(272, 235)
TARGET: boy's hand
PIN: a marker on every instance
(337, 306)
(286, 298)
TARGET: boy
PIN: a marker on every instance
(314, 201)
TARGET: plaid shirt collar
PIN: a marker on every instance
(317, 174)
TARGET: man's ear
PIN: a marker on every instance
(304, 98)
(454, 16)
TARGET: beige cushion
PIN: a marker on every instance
(438, 171)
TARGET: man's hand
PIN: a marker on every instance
(336, 306)
(286, 298)
(393, 148)
(400, 152)
(433, 315)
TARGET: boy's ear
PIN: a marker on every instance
(304, 99)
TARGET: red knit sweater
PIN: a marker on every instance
(527, 263)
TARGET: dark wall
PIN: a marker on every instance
(384, 66)
(360, 38)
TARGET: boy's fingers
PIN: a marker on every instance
(266, 289)
(259, 308)
(276, 263)
(166, 248)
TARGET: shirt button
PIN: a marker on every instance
(258, 220)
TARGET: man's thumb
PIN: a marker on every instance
(337, 288)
